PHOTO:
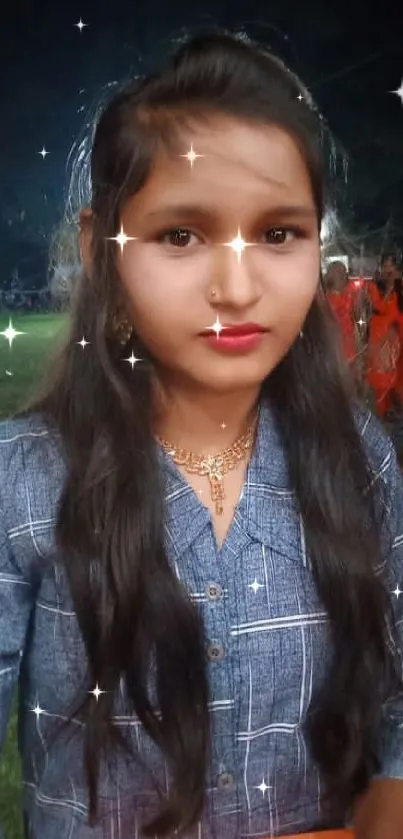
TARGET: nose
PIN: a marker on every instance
(235, 276)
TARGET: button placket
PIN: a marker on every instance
(226, 781)
(215, 651)
(213, 591)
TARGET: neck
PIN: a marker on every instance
(203, 422)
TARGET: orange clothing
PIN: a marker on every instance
(384, 370)
(344, 833)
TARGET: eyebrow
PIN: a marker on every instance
(194, 210)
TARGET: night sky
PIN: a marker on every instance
(54, 77)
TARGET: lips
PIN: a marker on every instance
(238, 330)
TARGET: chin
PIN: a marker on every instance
(228, 383)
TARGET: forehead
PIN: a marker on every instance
(238, 163)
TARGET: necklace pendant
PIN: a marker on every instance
(219, 508)
(217, 494)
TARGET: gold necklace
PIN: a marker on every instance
(214, 466)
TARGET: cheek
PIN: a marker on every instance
(159, 293)
(163, 283)
(149, 288)
(296, 284)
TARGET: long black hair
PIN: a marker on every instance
(111, 512)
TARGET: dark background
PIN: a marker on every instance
(349, 54)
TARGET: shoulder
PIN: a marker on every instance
(387, 476)
(26, 443)
(32, 469)
(377, 444)
(14, 428)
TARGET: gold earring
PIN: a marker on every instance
(122, 330)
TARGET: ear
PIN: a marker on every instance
(86, 230)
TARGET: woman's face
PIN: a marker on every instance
(249, 179)
(337, 277)
(389, 271)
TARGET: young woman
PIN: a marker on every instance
(201, 529)
(345, 298)
(385, 340)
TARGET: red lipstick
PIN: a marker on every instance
(239, 337)
(236, 329)
(242, 329)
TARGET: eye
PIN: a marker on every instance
(281, 235)
(178, 237)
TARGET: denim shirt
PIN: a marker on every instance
(268, 648)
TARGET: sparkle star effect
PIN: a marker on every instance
(43, 153)
(97, 692)
(216, 327)
(10, 333)
(80, 25)
(191, 156)
(83, 343)
(397, 591)
(399, 92)
(133, 360)
(263, 787)
(37, 710)
(238, 245)
(255, 586)
(121, 239)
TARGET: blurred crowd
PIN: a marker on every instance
(370, 315)
(39, 301)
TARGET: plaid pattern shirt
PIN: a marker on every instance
(268, 648)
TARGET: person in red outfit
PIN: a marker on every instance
(346, 299)
(385, 339)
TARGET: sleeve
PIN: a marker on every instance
(391, 739)
(16, 601)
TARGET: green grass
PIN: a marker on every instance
(25, 360)
(26, 357)
(10, 781)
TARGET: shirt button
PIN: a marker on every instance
(215, 652)
(214, 591)
(226, 781)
